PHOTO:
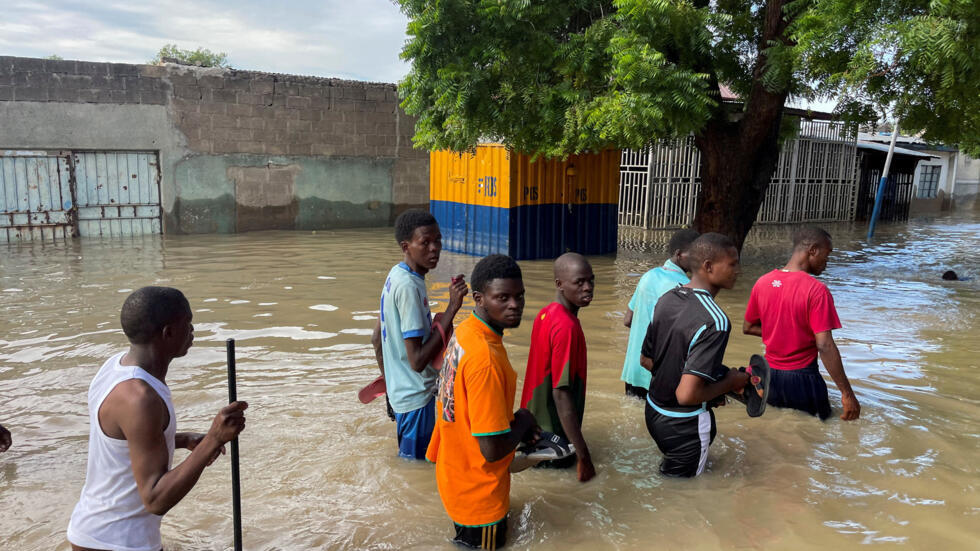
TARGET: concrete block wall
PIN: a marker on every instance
(239, 150)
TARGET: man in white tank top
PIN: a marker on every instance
(129, 484)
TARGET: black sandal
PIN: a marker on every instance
(760, 375)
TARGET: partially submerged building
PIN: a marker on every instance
(115, 149)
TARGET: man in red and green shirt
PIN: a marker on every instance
(554, 384)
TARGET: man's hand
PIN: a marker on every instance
(228, 423)
(457, 291)
(830, 355)
(852, 409)
(586, 470)
(533, 433)
(5, 440)
(739, 380)
(192, 439)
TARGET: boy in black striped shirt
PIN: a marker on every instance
(684, 347)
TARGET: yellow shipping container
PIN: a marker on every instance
(495, 201)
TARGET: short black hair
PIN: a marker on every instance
(709, 246)
(494, 266)
(408, 221)
(808, 236)
(148, 309)
(681, 240)
(950, 275)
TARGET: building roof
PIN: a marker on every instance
(910, 142)
(727, 96)
(875, 146)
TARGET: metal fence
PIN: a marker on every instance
(896, 200)
(815, 180)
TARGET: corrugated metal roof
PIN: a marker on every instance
(898, 150)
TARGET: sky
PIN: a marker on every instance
(352, 39)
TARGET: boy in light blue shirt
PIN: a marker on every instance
(651, 286)
(404, 341)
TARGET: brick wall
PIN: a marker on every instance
(28, 79)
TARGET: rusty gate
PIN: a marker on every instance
(53, 195)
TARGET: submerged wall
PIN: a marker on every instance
(238, 150)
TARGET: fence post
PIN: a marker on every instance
(648, 188)
(791, 194)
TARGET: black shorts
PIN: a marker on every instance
(493, 536)
(803, 389)
(636, 391)
(684, 441)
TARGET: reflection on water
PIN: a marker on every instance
(319, 469)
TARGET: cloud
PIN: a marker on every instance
(360, 39)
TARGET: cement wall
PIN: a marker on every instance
(967, 188)
(239, 150)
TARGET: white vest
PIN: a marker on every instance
(110, 512)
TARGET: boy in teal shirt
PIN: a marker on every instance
(403, 339)
(651, 286)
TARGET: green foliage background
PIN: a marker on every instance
(564, 76)
(201, 57)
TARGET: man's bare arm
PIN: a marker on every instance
(376, 343)
(647, 363)
(522, 429)
(693, 390)
(141, 416)
(573, 429)
(832, 362)
(752, 328)
(628, 320)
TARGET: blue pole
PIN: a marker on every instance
(880, 196)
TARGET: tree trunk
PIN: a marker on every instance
(735, 174)
(738, 157)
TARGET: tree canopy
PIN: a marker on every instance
(201, 57)
(566, 76)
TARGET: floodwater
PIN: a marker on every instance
(319, 469)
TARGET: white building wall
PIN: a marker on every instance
(967, 181)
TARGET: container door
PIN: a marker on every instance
(35, 196)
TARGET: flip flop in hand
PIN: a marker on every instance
(755, 394)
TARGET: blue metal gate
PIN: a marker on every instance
(35, 196)
(51, 195)
(117, 192)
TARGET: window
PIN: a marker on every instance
(929, 181)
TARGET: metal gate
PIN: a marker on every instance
(814, 180)
(51, 195)
(35, 196)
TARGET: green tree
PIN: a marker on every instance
(55, 57)
(555, 77)
(201, 57)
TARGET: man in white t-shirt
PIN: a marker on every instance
(129, 483)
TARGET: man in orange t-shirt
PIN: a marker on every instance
(476, 429)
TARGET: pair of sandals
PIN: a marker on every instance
(755, 394)
(549, 448)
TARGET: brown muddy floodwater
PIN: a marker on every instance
(319, 469)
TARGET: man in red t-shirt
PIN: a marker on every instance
(794, 314)
(554, 383)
